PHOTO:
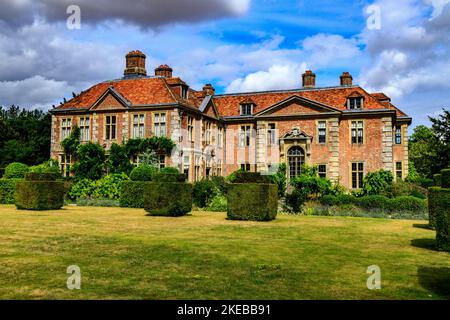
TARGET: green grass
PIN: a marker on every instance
(124, 254)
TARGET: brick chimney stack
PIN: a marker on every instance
(135, 64)
(208, 90)
(309, 79)
(346, 79)
(164, 71)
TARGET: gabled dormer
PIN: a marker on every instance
(355, 101)
(247, 107)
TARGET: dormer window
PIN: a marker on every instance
(184, 92)
(246, 109)
(355, 103)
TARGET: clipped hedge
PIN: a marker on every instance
(445, 178)
(252, 201)
(170, 199)
(439, 207)
(397, 204)
(250, 177)
(34, 176)
(132, 194)
(437, 180)
(39, 195)
(7, 190)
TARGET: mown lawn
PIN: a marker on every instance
(124, 254)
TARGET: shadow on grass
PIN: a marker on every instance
(436, 280)
(422, 226)
(427, 243)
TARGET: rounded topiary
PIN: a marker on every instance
(169, 170)
(143, 172)
(15, 170)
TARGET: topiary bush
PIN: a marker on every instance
(132, 195)
(143, 172)
(439, 213)
(39, 195)
(7, 190)
(252, 201)
(15, 170)
(169, 199)
(34, 176)
(437, 180)
(249, 177)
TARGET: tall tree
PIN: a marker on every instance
(24, 136)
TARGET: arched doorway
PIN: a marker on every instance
(296, 159)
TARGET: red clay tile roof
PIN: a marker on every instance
(380, 96)
(336, 97)
(139, 91)
(160, 90)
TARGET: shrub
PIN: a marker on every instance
(90, 161)
(437, 178)
(343, 199)
(407, 203)
(373, 202)
(132, 195)
(169, 177)
(83, 188)
(402, 188)
(15, 170)
(143, 172)
(218, 204)
(170, 170)
(7, 190)
(445, 176)
(252, 201)
(68, 184)
(439, 212)
(172, 199)
(109, 186)
(280, 179)
(295, 201)
(39, 195)
(118, 160)
(203, 191)
(50, 166)
(376, 182)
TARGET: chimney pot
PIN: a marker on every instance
(309, 79)
(164, 71)
(135, 64)
(346, 79)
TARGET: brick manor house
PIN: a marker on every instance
(345, 130)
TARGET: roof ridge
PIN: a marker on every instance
(284, 91)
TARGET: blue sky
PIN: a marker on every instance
(238, 45)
